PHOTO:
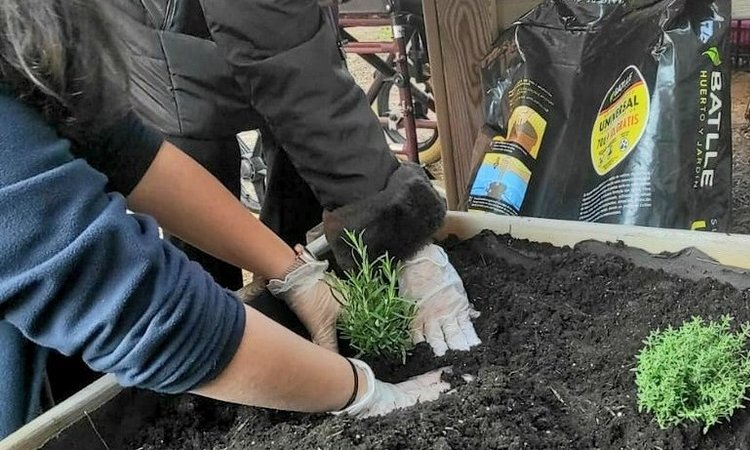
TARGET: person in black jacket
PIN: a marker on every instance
(202, 71)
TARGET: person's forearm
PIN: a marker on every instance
(191, 204)
(275, 368)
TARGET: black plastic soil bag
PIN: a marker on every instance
(613, 111)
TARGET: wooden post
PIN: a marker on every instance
(459, 36)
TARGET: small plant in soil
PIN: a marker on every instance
(696, 373)
(374, 318)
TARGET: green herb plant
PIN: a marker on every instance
(374, 318)
(696, 373)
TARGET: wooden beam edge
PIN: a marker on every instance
(432, 25)
(50, 424)
(731, 250)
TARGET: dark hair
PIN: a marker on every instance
(59, 56)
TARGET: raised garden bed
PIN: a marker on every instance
(541, 315)
(561, 329)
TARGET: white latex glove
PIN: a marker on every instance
(382, 398)
(443, 310)
(308, 295)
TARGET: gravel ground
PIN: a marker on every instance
(741, 154)
(359, 69)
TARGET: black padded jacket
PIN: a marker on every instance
(207, 69)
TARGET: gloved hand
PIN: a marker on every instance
(382, 398)
(443, 310)
(308, 295)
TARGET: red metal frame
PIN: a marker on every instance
(369, 48)
(397, 59)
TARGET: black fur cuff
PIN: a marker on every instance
(400, 219)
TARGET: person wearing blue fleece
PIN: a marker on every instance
(80, 275)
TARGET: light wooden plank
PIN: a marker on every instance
(726, 249)
(47, 426)
(441, 99)
(467, 29)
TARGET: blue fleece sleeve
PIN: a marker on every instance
(79, 274)
(123, 153)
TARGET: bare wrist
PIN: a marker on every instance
(291, 262)
(359, 385)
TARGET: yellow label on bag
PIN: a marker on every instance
(621, 121)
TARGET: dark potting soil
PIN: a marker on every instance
(560, 331)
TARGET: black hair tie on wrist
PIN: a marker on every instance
(356, 385)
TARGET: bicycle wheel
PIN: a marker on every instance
(388, 101)
(252, 171)
(428, 142)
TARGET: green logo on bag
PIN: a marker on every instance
(713, 55)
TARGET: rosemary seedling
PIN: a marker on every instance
(374, 318)
(696, 373)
